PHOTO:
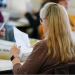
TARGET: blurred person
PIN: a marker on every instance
(57, 47)
(34, 22)
(0, 3)
(65, 3)
(3, 3)
(2, 32)
(9, 34)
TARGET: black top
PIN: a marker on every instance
(34, 22)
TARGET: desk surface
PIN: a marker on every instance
(18, 24)
(6, 65)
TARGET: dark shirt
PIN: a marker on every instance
(34, 22)
(1, 18)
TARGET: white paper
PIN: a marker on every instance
(2, 25)
(26, 54)
(6, 43)
(22, 39)
(6, 65)
(5, 47)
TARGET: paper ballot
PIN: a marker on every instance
(22, 40)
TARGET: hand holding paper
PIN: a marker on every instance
(14, 50)
(21, 40)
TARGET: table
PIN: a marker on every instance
(6, 65)
(17, 24)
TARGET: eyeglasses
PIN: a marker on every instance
(41, 20)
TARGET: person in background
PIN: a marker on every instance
(1, 18)
(9, 34)
(35, 22)
(3, 3)
(65, 3)
(57, 47)
(2, 32)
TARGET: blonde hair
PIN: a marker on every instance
(58, 29)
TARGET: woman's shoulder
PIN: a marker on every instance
(42, 45)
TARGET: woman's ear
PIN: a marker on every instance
(46, 21)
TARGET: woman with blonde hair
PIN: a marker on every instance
(57, 47)
(64, 3)
(35, 22)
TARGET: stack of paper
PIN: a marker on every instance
(5, 47)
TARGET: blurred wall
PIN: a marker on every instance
(17, 5)
(72, 7)
(36, 4)
(20, 5)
